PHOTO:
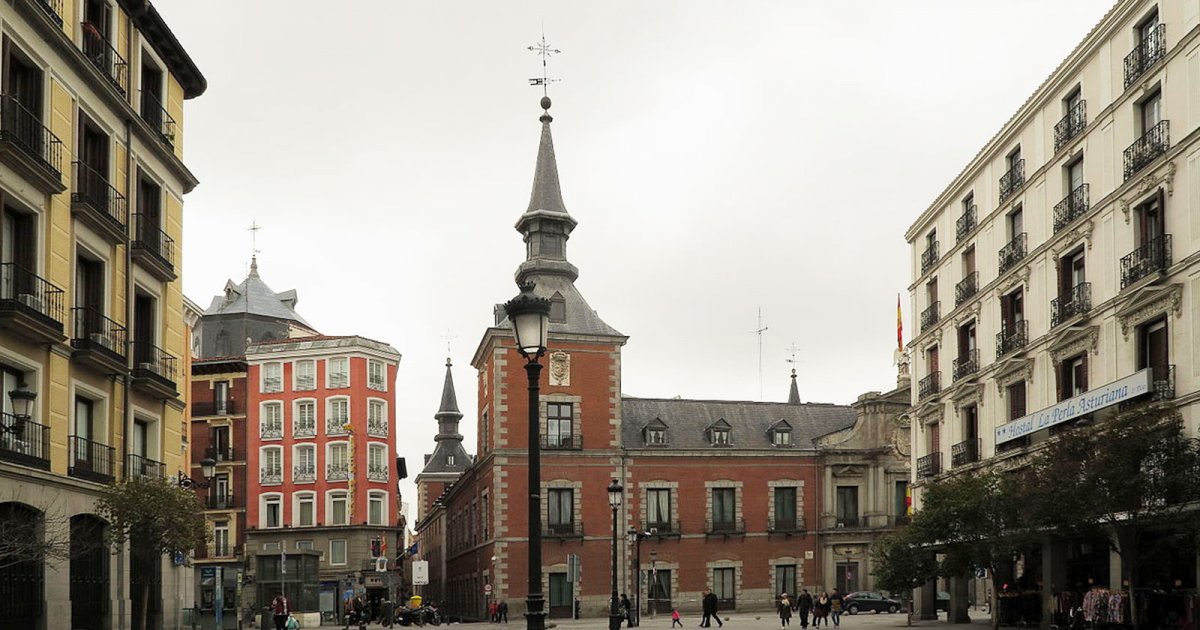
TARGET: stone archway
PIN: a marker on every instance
(22, 567)
(89, 574)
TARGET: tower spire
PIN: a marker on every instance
(794, 392)
(546, 224)
(448, 414)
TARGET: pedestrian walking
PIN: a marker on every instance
(821, 610)
(626, 610)
(785, 611)
(281, 608)
(804, 604)
(492, 612)
(835, 608)
(502, 612)
(710, 609)
(675, 618)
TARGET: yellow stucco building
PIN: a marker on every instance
(93, 339)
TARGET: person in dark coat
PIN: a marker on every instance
(804, 604)
(502, 612)
(784, 608)
(710, 609)
(626, 607)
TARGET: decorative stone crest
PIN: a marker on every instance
(1014, 371)
(1082, 232)
(967, 314)
(968, 395)
(1164, 175)
(560, 369)
(1074, 343)
(1168, 300)
(1012, 279)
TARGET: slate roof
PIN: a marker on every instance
(254, 297)
(749, 422)
(581, 318)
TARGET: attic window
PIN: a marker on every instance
(781, 437)
(719, 437)
(558, 308)
(656, 437)
(449, 460)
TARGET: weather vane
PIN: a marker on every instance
(449, 336)
(793, 349)
(253, 230)
(544, 51)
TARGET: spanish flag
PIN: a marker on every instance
(899, 326)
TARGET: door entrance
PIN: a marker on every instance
(560, 596)
(659, 592)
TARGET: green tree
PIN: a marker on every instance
(902, 562)
(1119, 480)
(153, 515)
(977, 519)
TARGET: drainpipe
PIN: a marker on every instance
(128, 415)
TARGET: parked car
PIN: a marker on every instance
(943, 602)
(866, 601)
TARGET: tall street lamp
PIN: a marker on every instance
(529, 316)
(614, 501)
(208, 467)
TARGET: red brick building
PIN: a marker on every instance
(733, 493)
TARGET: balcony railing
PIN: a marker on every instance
(1147, 53)
(337, 471)
(150, 361)
(149, 239)
(929, 257)
(24, 442)
(24, 130)
(1077, 301)
(930, 316)
(220, 501)
(1162, 384)
(139, 466)
(966, 288)
(562, 442)
(967, 364)
(1013, 253)
(223, 550)
(786, 525)
(929, 465)
(106, 58)
(1012, 181)
(94, 331)
(91, 460)
(965, 223)
(1073, 206)
(574, 529)
(27, 294)
(1071, 125)
(929, 385)
(965, 452)
(204, 408)
(270, 475)
(377, 427)
(304, 473)
(1012, 337)
(304, 428)
(270, 430)
(725, 526)
(1155, 142)
(222, 453)
(1152, 257)
(336, 426)
(157, 117)
(92, 191)
(53, 8)
(377, 472)
(661, 528)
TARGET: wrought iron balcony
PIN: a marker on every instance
(270, 475)
(965, 223)
(844, 522)
(1154, 143)
(661, 528)
(53, 8)
(204, 408)
(268, 430)
(1147, 53)
(220, 501)
(1013, 180)
(573, 529)
(28, 146)
(98, 341)
(965, 452)
(1152, 257)
(377, 427)
(304, 428)
(24, 442)
(106, 58)
(1073, 206)
(304, 473)
(930, 385)
(930, 316)
(1013, 253)
(929, 257)
(152, 247)
(140, 466)
(337, 471)
(786, 526)
(336, 426)
(562, 442)
(223, 550)
(1012, 337)
(967, 364)
(377, 472)
(929, 465)
(1077, 301)
(725, 526)
(157, 117)
(1071, 125)
(154, 369)
(91, 460)
(30, 305)
(221, 453)
(966, 288)
(98, 204)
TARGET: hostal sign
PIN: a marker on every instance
(1108, 395)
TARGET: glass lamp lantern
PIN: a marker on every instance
(529, 316)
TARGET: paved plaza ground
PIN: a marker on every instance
(754, 621)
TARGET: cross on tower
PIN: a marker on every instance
(253, 230)
(544, 51)
(448, 337)
(793, 349)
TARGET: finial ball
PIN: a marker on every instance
(546, 102)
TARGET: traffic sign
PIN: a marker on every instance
(487, 589)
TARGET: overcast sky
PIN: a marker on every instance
(720, 157)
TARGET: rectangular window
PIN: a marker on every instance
(847, 506)
(339, 416)
(1014, 158)
(337, 511)
(656, 437)
(559, 417)
(221, 539)
(1151, 111)
(658, 508)
(375, 509)
(1012, 310)
(306, 375)
(781, 437)
(785, 509)
(306, 514)
(847, 577)
(83, 426)
(968, 261)
(1072, 377)
(724, 508)
(339, 373)
(303, 545)
(337, 552)
(1152, 348)
(785, 579)
(720, 437)
(376, 375)
(1016, 400)
(273, 512)
(561, 506)
(272, 377)
(901, 501)
(306, 419)
(271, 423)
(1074, 175)
(970, 416)
(1016, 223)
(377, 418)
(723, 588)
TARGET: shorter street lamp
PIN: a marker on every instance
(614, 501)
(207, 468)
(22, 406)
(635, 538)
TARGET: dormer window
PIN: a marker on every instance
(720, 437)
(558, 308)
(656, 437)
(780, 434)
(449, 460)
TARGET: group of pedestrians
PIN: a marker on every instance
(824, 607)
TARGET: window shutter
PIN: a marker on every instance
(1082, 376)
(1060, 376)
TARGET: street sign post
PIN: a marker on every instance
(420, 572)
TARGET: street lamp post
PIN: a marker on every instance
(635, 538)
(614, 501)
(207, 468)
(22, 406)
(529, 316)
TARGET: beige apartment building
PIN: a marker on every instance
(1058, 272)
